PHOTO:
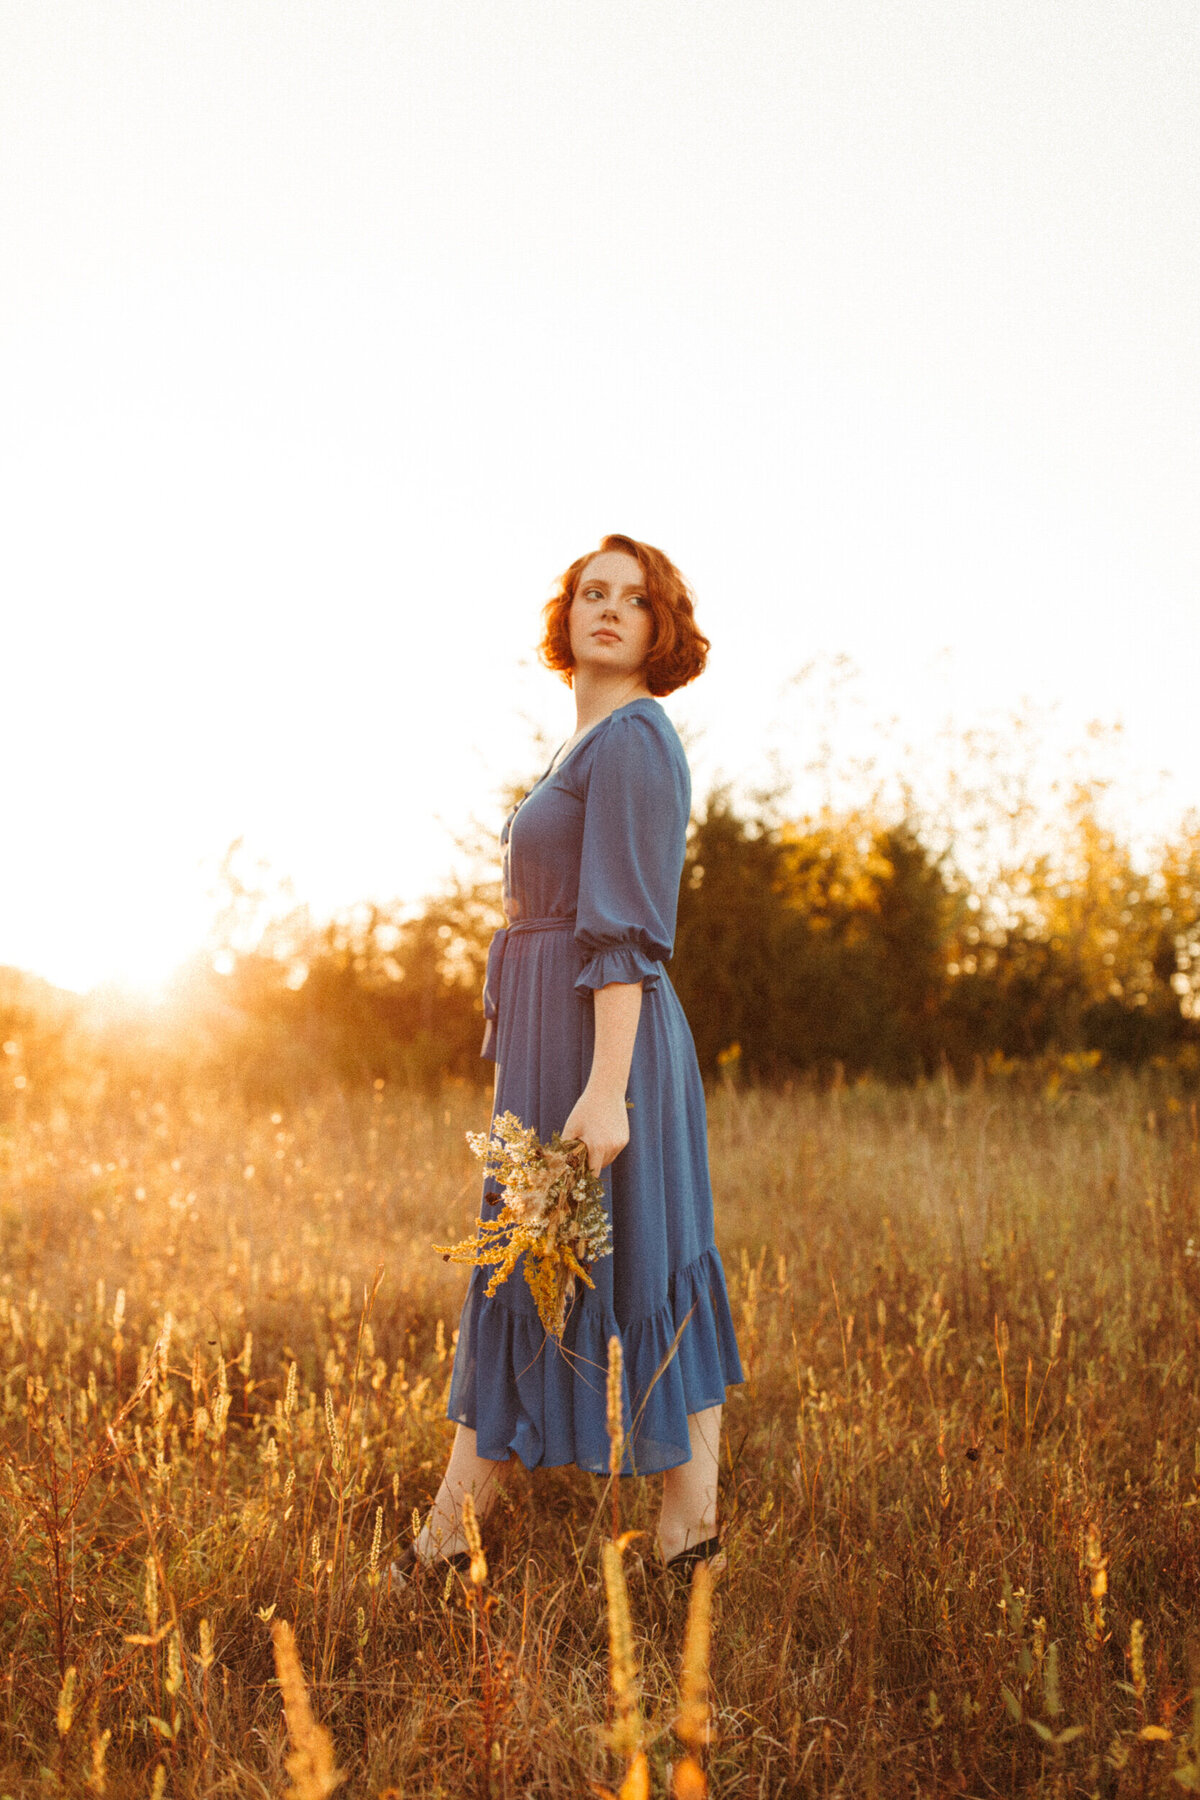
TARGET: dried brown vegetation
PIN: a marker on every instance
(961, 1483)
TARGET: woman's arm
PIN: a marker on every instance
(600, 1116)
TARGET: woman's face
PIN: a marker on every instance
(610, 621)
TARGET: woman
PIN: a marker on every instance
(590, 1040)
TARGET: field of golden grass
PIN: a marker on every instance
(960, 1484)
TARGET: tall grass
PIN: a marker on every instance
(960, 1484)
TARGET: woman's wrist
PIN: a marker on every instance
(607, 1093)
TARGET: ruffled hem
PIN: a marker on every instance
(624, 964)
(546, 1403)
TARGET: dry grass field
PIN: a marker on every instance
(961, 1484)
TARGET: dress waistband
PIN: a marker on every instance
(495, 964)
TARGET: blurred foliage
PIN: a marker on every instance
(848, 941)
(840, 944)
(369, 995)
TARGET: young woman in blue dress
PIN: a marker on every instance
(590, 1040)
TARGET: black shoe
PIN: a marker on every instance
(684, 1562)
(408, 1565)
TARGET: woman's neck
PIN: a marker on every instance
(597, 695)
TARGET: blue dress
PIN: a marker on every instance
(592, 858)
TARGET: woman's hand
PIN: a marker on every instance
(601, 1120)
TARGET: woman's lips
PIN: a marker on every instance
(610, 636)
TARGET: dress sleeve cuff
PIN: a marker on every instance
(624, 964)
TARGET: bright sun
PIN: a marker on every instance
(99, 940)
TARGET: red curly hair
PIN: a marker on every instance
(678, 650)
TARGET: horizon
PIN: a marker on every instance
(1038, 782)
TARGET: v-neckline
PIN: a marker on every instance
(555, 765)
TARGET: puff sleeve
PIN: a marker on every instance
(634, 832)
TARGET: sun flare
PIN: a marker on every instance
(101, 941)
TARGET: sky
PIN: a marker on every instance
(331, 331)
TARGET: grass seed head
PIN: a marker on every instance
(151, 1592)
(97, 1778)
(1096, 1564)
(626, 1734)
(616, 1417)
(376, 1544)
(479, 1568)
(1137, 1659)
(311, 1763)
(1050, 1689)
(66, 1703)
(689, 1781)
(221, 1415)
(691, 1721)
(174, 1679)
(636, 1785)
(335, 1436)
(1056, 1328)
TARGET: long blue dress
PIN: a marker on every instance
(592, 858)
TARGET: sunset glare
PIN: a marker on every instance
(331, 334)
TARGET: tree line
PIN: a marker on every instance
(836, 945)
(838, 942)
(853, 942)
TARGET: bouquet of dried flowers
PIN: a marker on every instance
(553, 1214)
